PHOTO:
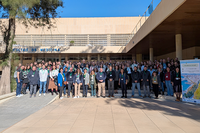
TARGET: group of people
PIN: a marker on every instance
(99, 76)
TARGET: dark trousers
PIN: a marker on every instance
(61, 90)
(124, 90)
(33, 89)
(85, 89)
(24, 86)
(155, 89)
(116, 85)
(70, 86)
(130, 81)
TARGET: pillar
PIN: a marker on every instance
(139, 57)
(33, 58)
(108, 57)
(151, 54)
(99, 57)
(66, 58)
(59, 57)
(21, 58)
(89, 58)
(179, 46)
(133, 57)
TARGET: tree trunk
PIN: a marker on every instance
(9, 35)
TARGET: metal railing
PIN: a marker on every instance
(143, 19)
(72, 40)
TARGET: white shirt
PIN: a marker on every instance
(43, 74)
(53, 73)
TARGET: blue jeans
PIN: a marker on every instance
(43, 85)
(93, 90)
(162, 87)
(19, 87)
(138, 87)
(64, 90)
(169, 88)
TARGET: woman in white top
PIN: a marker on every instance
(53, 80)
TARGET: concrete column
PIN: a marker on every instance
(21, 58)
(108, 57)
(108, 40)
(138, 57)
(133, 56)
(98, 57)
(33, 58)
(151, 54)
(89, 57)
(66, 58)
(179, 46)
(59, 57)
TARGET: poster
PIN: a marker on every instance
(190, 80)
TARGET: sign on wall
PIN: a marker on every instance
(190, 80)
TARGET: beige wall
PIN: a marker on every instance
(162, 11)
(104, 25)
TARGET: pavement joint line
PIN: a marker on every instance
(113, 119)
(95, 118)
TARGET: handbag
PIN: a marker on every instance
(65, 82)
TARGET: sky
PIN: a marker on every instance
(105, 8)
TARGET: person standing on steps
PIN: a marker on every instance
(33, 77)
(101, 77)
(53, 80)
(155, 83)
(69, 79)
(111, 77)
(177, 84)
(123, 80)
(19, 80)
(77, 82)
(93, 83)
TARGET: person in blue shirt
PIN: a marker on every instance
(101, 77)
(123, 80)
(61, 79)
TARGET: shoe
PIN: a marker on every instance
(56, 93)
(61, 98)
(68, 96)
(51, 92)
(44, 94)
(34, 95)
(30, 96)
(112, 96)
(39, 95)
(77, 96)
(163, 93)
(18, 96)
(104, 97)
(156, 97)
(132, 96)
(74, 97)
(149, 96)
(122, 96)
(85, 96)
(65, 95)
(97, 96)
(144, 96)
(125, 96)
(109, 96)
(141, 96)
(21, 95)
(177, 100)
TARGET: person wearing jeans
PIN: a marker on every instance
(145, 78)
(61, 79)
(111, 77)
(167, 79)
(19, 81)
(43, 74)
(77, 82)
(33, 77)
(93, 83)
(135, 75)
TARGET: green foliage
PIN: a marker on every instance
(13, 84)
(71, 42)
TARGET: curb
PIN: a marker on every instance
(6, 97)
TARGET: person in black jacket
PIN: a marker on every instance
(135, 75)
(111, 78)
(161, 74)
(145, 78)
(33, 77)
(69, 79)
(128, 72)
(176, 82)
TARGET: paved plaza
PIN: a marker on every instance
(112, 115)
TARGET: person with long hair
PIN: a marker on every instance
(123, 80)
(93, 83)
(53, 80)
(77, 82)
(176, 82)
(155, 82)
(25, 79)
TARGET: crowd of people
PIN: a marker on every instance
(54, 77)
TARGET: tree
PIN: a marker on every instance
(35, 13)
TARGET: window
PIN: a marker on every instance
(27, 58)
(93, 57)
